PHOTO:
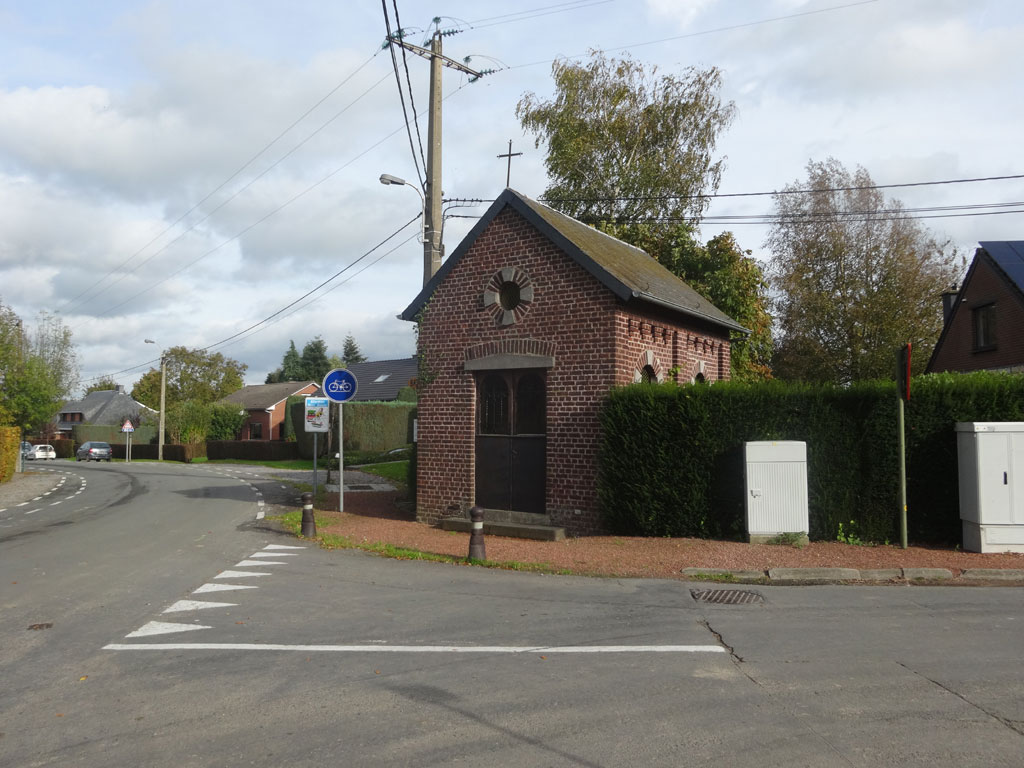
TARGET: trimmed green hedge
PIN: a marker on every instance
(380, 426)
(82, 433)
(671, 459)
(249, 450)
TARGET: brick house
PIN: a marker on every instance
(265, 404)
(522, 332)
(984, 320)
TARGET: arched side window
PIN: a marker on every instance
(647, 375)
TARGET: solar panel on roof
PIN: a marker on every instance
(1009, 255)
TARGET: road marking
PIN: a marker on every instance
(164, 628)
(267, 554)
(282, 546)
(411, 648)
(222, 587)
(23, 504)
(258, 562)
(33, 511)
(54, 504)
(239, 574)
(195, 605)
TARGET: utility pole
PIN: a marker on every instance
(433, 248)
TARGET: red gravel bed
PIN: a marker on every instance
(380, 517)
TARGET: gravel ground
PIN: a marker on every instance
(26, 485)
(384, 517)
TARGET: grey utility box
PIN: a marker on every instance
(991, 459)
(776, 488)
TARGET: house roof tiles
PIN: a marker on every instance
(627, 271)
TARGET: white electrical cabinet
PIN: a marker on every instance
(991, 463)
(775, 481)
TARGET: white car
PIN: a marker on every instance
(41, 452)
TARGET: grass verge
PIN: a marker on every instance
(292, 521)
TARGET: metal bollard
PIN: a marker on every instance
(477, 551)
(308, 521)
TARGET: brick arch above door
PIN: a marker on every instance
(505, 354)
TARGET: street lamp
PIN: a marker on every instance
(163, 397)
(428, 272)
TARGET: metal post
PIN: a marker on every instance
(163, 405)
(903, 474)
(341, 461)
(314, 464)
(477, 550)
(308, 521)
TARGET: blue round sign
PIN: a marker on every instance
(340, 385)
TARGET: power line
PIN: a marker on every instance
(716, 30)
(284, 308)
(408, 82)
(401, 95)
(72, 301)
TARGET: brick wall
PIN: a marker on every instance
(957, 351)
(595, 340)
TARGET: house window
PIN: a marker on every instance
(984, 318)
(256, 431)
(648, 375)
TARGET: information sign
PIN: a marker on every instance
(317, 414)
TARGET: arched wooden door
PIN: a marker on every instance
(511, 441)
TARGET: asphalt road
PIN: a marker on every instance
(136, 631)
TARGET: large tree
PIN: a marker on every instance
(291, 367)
(37, 370)
(101, 385)
(315, 363)
(856, 276)
(192, 375)
(632, 153)
(625, 143)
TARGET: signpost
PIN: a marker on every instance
(317, 420)
(340, 385)
(903, 383)
(128, 428)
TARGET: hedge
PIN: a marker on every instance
(368, 426)
(112, 434)
(249, 450)
(671, 458)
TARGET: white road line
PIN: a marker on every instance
(222, 587)
(411, 648)
(282, 546)
(33, 511)
(54, 504)
(164, 628)
(267, 554)
(239, 574)
(245, 563)
(195, 605)
(23, 504)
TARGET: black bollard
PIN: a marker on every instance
(477, 551)
(308, 521)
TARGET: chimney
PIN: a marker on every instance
(948, 300)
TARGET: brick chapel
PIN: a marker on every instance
(522, 333)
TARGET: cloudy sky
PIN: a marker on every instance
(184, 170)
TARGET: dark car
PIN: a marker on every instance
(94, 451)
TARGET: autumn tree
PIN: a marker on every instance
(627, 144)
(192, 375)
(38, 367)
(856, 275)
(632, 153)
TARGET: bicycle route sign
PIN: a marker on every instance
(340, 385)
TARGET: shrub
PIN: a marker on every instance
(671, 457)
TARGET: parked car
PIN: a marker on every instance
(94, 451)
(41, 452)
(26, 449)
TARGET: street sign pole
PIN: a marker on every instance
(340, 385)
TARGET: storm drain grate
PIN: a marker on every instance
(727, 596)
(358, 487)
